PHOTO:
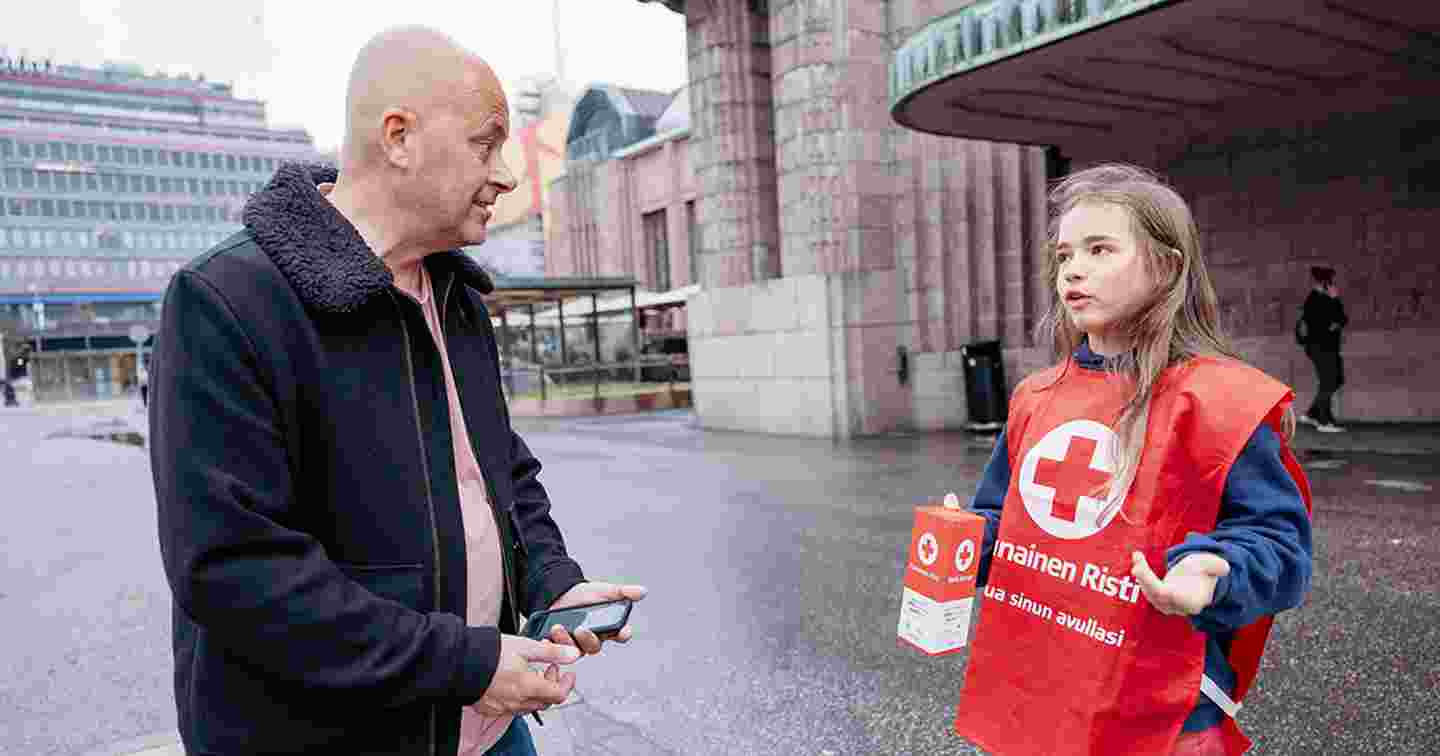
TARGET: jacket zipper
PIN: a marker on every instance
(429, 500)
(501, 530)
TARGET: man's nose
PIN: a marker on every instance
(502, 177)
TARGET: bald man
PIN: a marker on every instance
(349, 524)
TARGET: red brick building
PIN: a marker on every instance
(869, 184)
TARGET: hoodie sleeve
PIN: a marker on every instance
(239, 564)
(1263, 533)
(990, 499)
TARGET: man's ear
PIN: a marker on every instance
(397, 136)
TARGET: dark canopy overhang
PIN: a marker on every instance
(1108, 74)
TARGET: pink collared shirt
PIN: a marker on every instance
(483, 569)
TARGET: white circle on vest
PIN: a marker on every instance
(964, 555)
(928, 549)
(1060, 474)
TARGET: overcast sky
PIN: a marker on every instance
(295, 54)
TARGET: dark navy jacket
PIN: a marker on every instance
(309, 519)
(1263, 532)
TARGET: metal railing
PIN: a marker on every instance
(598, 373)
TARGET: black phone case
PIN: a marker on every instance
(536, 624)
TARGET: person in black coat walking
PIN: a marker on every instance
(1323, 318)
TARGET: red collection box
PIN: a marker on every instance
(939, 594)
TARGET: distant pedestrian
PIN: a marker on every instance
(1322, 321)
(1149, 443)
(9, 391)
(144, 378)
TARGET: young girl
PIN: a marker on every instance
(1145, 517)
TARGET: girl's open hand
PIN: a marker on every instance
(1188, 587)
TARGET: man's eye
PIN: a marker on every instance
(1062, 256)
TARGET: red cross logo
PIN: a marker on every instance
(1062, 479)
(1072, 477)
(928, 549)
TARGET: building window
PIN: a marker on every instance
(162, 157)
(244, 163)
(27, 179)
(230, 163)
(46, 184)
(64, 208)
(12, 178)
(24, 148)
(77, 182)
(57, 151)
(91, 182)
(151, 186)
(52, 239)
(104, 151)
(47, 208)
(194, 185)
(7, 148)
(169, 214)
(657, 247)
(77, 208)
(147, 157)
(137, 184)
(189, 160)
(207, 187)
(87, 151)
(693, 232)
(132, 155)
(72, 151)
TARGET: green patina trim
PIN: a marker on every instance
(980, 34)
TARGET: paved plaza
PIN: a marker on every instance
(774, 566)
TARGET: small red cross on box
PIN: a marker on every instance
(1071, 478)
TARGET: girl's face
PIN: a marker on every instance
(1102, 277)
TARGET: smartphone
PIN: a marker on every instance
(604, 619)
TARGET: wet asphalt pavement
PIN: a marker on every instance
(774, 566)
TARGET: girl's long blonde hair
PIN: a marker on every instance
(1179, 322)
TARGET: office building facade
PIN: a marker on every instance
(110, 180)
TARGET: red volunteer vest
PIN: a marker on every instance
(1069, 657)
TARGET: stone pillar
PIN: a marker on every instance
(732, 142)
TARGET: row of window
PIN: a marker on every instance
(69, 182)
(82, 269)
(143, 156)
(110, 210)
(52, 238)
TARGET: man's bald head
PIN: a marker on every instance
(426, 125)
(414, 69)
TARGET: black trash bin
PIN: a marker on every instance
(985, 385)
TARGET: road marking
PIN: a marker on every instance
(1412, 486)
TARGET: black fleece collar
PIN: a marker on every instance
(320, 253)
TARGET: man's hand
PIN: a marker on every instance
(593, 593)
(1187, 589)
(517, 689)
